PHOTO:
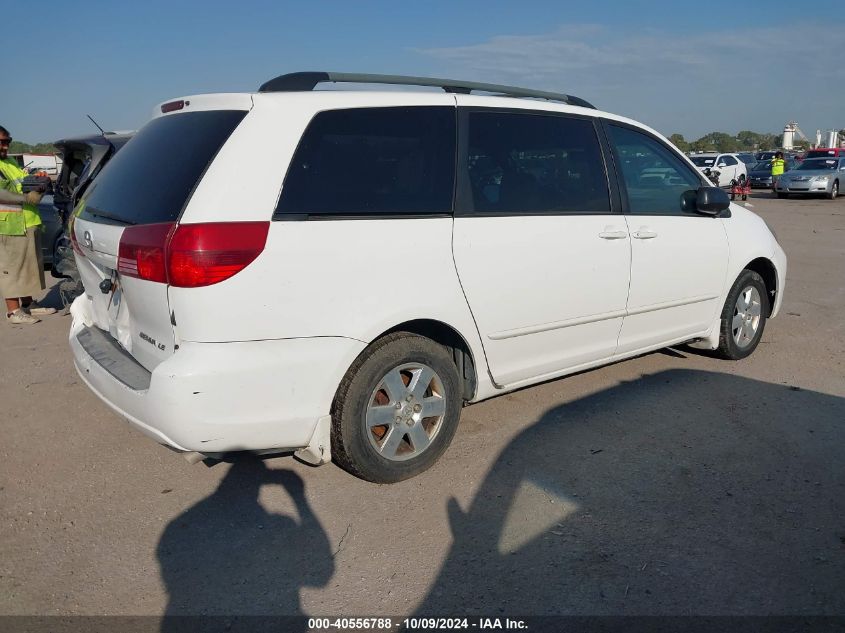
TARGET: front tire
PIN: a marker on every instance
(834, 191)
(397, 409)
(743, 317)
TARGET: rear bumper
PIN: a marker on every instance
(217, 397)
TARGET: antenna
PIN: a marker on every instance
(102, 131)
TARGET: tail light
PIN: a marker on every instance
(190, 255)
(142, 251)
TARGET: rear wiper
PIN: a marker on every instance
(102, 214)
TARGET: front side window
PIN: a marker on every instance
(656, 180)
(729, 160)
(373, 161)
(534, 163)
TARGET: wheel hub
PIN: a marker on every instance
(405, 411)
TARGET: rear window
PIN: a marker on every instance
(373, 161)
(151, 178)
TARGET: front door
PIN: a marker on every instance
(679, 259)
(543, 261)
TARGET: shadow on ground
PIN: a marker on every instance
(227, 555)
(684, 492)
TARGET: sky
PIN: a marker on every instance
(680, 67)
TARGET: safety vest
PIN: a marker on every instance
(777, 166)
(14, 219)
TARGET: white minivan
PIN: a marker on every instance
(392, 257)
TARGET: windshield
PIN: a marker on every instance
(703, 161)
(763, 165)
(817, 164)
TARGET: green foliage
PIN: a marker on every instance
(679, 142)
(18, 147)
(744, 141)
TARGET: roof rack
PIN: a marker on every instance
(305, 81)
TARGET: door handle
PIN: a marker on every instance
(613, 233)
(644, 233)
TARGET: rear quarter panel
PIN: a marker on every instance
(353, 278)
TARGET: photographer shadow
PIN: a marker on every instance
(228, 556)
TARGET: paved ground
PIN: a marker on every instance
(668, 484)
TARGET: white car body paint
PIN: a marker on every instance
(254, 362)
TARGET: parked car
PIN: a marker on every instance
(83, 157)
(389, 258)
(51, 222)
(814, 176)
(825, 152)
(728, 167)
(760, 174)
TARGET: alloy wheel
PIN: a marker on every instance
(747, 316)
(405, 411)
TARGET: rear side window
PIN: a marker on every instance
(534, 163)
(373, 161)
(151, 178)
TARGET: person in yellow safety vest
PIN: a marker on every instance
(777, 168)
(21, 261)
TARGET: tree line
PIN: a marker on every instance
(744, 141)
(17, 147)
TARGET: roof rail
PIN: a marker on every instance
(305, 81)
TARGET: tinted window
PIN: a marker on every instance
(728, 160)
(523, 163)
(373, 161)
(657, 181)
(150, 179)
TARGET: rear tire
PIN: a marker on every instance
(397, 380)
(743, 317)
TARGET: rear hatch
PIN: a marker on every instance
(122, 224)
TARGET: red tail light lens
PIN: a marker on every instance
(190, 255)
(206, 254)
(142, 251)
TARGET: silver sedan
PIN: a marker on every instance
(816, 176)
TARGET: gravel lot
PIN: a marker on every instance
(673, 483)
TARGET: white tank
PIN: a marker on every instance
(831, 138)
(788, 136)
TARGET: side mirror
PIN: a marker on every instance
(711, 201)
(722, 165)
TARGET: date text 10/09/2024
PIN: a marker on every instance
(416, 624)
